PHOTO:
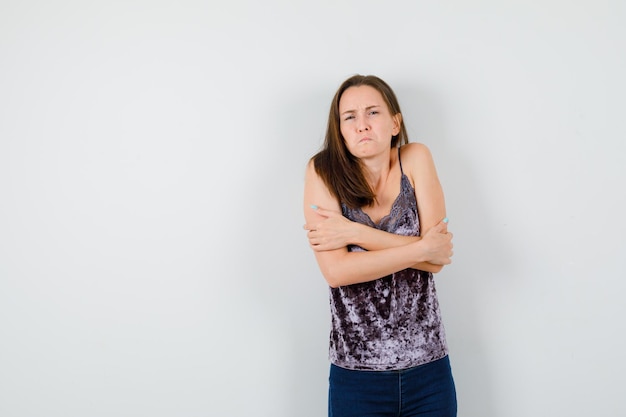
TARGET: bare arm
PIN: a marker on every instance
(431, 205)
(341, 267)
(335, 231)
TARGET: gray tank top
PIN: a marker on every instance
(393, 322)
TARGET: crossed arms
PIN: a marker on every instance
(330, 233)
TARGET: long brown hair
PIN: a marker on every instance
(339, 169)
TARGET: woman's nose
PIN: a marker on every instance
(362, 126)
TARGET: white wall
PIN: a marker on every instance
(152, 261)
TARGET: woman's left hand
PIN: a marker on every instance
(333, 232)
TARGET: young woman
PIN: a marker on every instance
(375, 216)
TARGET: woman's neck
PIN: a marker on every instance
(377, 171)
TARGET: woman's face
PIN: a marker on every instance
(365, 121)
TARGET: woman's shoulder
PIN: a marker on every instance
(414, 152)
(310, 170)
(417, 162)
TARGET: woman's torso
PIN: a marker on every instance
(393, 322)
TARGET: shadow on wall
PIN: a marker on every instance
(460, 287)
(476, 242)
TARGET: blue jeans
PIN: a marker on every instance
(425, 390)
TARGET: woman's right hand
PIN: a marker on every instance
(437, 243)
(333, 232)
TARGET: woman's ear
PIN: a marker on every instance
(397, 122)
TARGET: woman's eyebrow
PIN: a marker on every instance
(367, 108)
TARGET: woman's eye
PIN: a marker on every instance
(374, 112)
(348, 117)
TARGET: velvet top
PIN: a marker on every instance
(394, 322)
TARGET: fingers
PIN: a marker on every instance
(325, 212)
(442, 226)
(442, 243)
(319, 210)
(322, 212)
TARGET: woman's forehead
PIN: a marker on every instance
(359, 97)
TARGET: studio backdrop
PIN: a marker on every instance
(152, 155)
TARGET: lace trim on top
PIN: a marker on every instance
(393, 322)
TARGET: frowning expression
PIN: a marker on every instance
(365, 121)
